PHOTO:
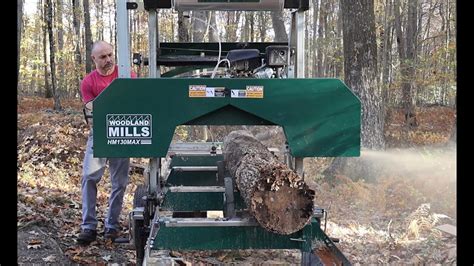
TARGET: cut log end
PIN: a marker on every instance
(275, 195)
(283, 211)
(282, 202)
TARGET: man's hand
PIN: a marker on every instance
(88, 112)
(88, 107)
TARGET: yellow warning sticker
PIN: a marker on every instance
(197, 90)
(254, 92)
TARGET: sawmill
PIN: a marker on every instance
(260, 191)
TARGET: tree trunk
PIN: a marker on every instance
(135, 40)
(387, 51)
(233, 18)
(315, 40)
(245, 30)
(183, 28)
(77, 50)
(339, 53)
(99, 14)
(213, 35)
(446, 68)
(399, 37)
(279, 26)
(19, 25)
(306, 44)
(330, 46)
(406, 52)
(36, 76)
(252, 26)
(52, 53)
(262, 19)
(109, 23)
(408, 87)
(115, 30)
(199, 27)
(384, 51)
(47, 89)
(323, 8)
(88, 35)
(275, 195)
(360, 68)
(360, 74)
(399, 32)
(424, 48)
(62, 84)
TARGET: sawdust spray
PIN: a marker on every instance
(431, 170)
(420, 162)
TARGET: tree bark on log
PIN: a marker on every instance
(275, 195)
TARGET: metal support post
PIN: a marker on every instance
(229, 190)
(123, 40)
(154, 187)
(297, 41)
(287, 156)
(152, 43)
(299, 166)
(229, 197)
(300, 52)
(292, 45)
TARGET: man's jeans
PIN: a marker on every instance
(92, 171)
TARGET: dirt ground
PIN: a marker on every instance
(391, 220)
(37, 246)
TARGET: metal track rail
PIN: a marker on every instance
(195, 168)
(207, 222)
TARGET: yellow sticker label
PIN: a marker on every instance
(254, 92)
(197, 90)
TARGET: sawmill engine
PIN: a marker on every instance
(243, 62)
(249, 63)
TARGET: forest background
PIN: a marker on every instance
(411, 137)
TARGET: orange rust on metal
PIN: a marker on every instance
(326, 256)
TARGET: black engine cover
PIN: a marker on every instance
(244, 59)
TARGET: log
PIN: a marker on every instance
(275, 195)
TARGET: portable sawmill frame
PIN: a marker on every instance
(137, 118)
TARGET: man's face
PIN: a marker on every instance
(103, 58)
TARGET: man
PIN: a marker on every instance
(93, 168)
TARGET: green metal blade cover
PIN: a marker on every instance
(137, 117)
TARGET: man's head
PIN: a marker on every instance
(103, 57)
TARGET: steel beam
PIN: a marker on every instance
(152, 43)
(123, 38)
